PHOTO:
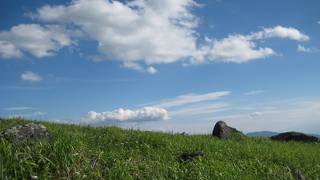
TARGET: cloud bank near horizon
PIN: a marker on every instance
(127, 115)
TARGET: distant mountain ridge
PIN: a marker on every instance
(270, 133)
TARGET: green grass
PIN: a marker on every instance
(80, 152)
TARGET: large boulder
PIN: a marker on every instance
(29, 131)
(295, 136)
(223, 131)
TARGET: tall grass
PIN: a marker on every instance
(112, 153)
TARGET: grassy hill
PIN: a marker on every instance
(113, 153)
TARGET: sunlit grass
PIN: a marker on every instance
(112, 153)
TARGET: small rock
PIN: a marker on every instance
(299, 175)
(223, 131)
(190, 156)
(294, 136)
(183, 134)
(29, 131)
(34, 177)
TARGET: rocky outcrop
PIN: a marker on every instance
(223, 131)
(294, 136)
(29, 131)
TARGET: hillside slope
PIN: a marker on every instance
(113, 153)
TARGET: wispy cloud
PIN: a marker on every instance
(30, 76)
(58, 79)
(33, 114)
(297, 116)
(191, 98)
(21, 108)
(140, 68)
(200, 109)
(31, 88)
(254, 92)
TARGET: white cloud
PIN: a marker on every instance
(152, 70)
(200, 109)
(301, 48)
(138, 67)
(192, 98)
(34, 39)
(255, 114)
(235, 48)
(150, 31)
(243, 48)
(280, 32)
(138, 33)
(127, 115)
(30, 76)
(133, 66)
(254, 92)
(34, 114)
(8, 50)
(39, 113)
(299, 116)
(22, 108)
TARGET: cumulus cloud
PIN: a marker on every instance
(152, 70)
(128, 115)
(30, 76)
(235, 48)
(158, 32)
(150, 31)
(37, 40)
(192, 98)
(301, 48)
(240, 48)
(8, 50)
(138, 33)
(280, 32)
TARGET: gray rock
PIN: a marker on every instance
(190, 156)
(223, 131)
(294, 136)
(29, 131)
(299, 175)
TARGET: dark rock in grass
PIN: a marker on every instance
(294, 136)
(223, 131)
(183, 134)
(29, 131)
(299, 175)
(190, 156)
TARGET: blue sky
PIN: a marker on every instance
(162, 65)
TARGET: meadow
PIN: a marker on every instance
(83, 152)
